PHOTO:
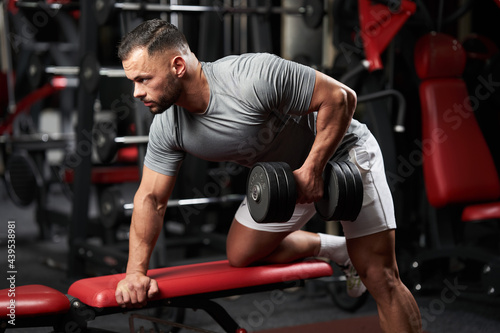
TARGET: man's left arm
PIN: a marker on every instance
(335, 104)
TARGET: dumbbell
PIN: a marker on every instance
(272, 194)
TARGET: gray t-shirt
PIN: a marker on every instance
(256, 113)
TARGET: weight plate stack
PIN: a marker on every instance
(350, 191)
(89, 72)
(262, 192)
(328, 204)
(271, 192)
(111, 207)
(288, 191)
(358, 192)
(104, 135)
(341, 192)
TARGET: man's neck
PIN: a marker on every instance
(196, 93)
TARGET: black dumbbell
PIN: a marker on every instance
(271, 192)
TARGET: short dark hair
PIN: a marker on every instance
(153, 35)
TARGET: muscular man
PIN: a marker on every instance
(247, 109)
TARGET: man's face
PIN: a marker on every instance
(154, 81)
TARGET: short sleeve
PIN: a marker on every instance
(164, 154)
(286, 86)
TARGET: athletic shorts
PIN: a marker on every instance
(376, 215)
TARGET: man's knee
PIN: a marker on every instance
(238, 260)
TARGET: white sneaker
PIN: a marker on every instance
(355, 286)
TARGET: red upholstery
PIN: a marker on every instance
(109, 175)
(487, 211)
(438, 56)
(33, 300)
(199, 278)
(128, 154)
(458, 166)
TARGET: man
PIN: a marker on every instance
(250, 108)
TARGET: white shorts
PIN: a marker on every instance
(376, 215)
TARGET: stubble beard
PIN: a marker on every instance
(172, 93)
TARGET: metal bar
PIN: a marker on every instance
(43, 4)
(192, 202)
(129, 140)
(82, 163)
(399, 127)
(263, 10)
(163, 322)
(74, 70)
(37, 138)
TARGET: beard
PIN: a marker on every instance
(172, 93)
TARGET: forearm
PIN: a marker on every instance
(147, 221)
(332, 122)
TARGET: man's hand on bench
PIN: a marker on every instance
(135, 290)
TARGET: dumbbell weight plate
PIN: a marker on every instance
(341, 192)
(282, 191)
(111, 203)
(35, 71)
(288, 191)
(262, 192)
(313, 17)
(328, 204)
(350, 191)
(358, 193)
(89, 72)
(104, 135)
(23, 178)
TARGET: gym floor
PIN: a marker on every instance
(304, 310)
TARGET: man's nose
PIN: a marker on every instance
(138, 92)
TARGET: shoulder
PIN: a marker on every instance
(163, 126)
(246, 60)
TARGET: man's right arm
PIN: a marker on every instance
(150, 203)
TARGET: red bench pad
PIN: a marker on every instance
(33, 300)
(198, 279)
(486, 211)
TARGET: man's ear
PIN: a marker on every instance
(179, 66)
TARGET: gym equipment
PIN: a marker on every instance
(114, 208)
(190, 286)
(271, 185)
(459, 173)
(22, 178)
(379, 26)
(66, 5)
(88, 72)
(107, 143)
(312, 11)
(271, 192)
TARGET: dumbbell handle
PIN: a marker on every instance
(192, 202)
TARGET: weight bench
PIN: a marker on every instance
(461, 180)
(192, 286)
